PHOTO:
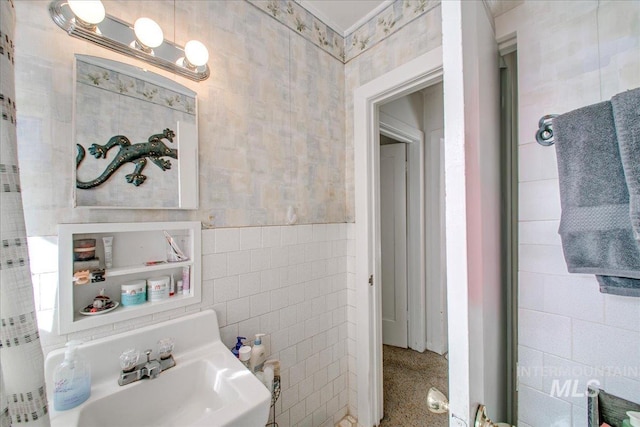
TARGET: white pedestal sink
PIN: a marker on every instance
(207, 387)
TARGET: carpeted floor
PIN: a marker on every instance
(408, 375)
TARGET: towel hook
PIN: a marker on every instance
(544, 135)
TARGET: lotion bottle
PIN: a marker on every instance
(258, 354)
(72, 379)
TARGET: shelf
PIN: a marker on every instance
(133, 245)
(123, 271)
(132, 311)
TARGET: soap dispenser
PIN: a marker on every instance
(258, 354)
(72, 379)
(236, 349)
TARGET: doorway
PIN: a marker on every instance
(423, 71)
(415, 123)
(476, 352)
(413, 282)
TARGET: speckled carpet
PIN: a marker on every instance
(408, 375)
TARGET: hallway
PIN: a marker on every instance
(408, 375)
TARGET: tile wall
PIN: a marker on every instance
(288, 282)
(570, 54)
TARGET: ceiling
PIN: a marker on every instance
(345, 16)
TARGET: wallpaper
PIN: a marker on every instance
(270, 118)
(388, 21)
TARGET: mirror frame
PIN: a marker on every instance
(186, 138)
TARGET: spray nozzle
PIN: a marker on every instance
(239, 343)
(236, 350)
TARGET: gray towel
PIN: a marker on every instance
(595, 227)
(626, 116)
(622, 286)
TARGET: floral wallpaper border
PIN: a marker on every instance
(388, 21)
(116, 82)
(299, 19)
(394, 17)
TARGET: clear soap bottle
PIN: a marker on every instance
(72, 379)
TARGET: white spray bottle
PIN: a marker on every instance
(258, 354)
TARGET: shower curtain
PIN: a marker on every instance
(22, 386)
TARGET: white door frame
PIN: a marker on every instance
(414, 75)
(416, 237)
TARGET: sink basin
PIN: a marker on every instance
(207, 387)
(199, 393)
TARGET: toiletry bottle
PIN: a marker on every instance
(72, 379)
(245, 355)
(268, 378)
(236, 349)
(258, 354)
(108, 251)
(275, 365)
(185, 281)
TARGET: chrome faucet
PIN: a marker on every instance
(132, 371)
(152, 368)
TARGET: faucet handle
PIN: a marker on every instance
(148, 353)
(129, 359)
(165, 347)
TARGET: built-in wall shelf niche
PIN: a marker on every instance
(140, 251)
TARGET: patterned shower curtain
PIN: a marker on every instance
(22, 387)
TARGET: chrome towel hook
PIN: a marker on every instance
(544, 135)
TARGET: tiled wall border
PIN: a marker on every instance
(390, 20)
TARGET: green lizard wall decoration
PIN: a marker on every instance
(137, 154)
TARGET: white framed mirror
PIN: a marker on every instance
(135, 138)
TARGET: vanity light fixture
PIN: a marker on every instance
(148, 34)
(88, 20)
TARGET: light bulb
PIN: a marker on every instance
(148, 32)
(88, 11)
(196, 53)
